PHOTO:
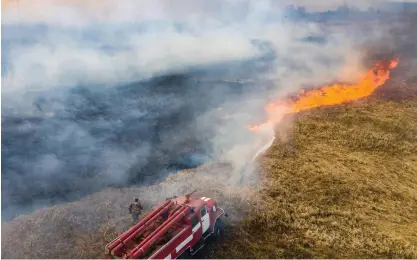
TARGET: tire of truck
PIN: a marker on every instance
(219, 228)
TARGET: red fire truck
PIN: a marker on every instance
(177, 228)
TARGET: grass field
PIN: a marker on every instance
(339, 182)
(343, 184)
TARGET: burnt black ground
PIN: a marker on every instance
(89, 138)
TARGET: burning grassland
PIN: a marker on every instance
(340, 183)
(329, 95)
(339, 178)
(343, 187)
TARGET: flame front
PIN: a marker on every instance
(328, 95)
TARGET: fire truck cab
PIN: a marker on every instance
(177, 228)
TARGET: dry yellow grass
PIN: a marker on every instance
(343, 186)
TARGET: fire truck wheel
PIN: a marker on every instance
(219, 227)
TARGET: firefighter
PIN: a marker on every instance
(135, 209)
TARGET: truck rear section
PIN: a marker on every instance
(177, 227)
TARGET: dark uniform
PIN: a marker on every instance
(135, 209)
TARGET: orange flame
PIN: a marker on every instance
(328, 95)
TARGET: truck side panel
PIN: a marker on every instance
(176, 245)
(183, 241)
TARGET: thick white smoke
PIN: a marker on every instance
(52, 47)
(130, 40)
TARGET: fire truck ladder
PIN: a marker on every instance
(146, 234)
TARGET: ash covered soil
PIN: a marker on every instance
(87, 139)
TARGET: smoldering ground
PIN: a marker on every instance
(63, 141)
(93, 138)
(90, 103)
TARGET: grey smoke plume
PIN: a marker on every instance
(127, 94)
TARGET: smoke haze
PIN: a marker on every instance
(127, 92)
